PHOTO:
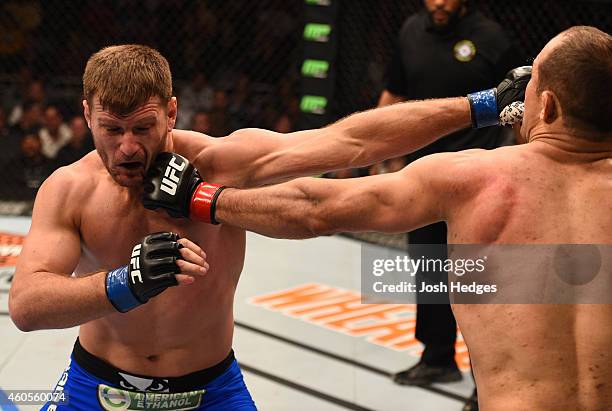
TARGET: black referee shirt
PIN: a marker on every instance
(473, 56)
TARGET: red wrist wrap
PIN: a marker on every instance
(203, 201)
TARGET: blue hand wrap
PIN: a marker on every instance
(484, 108)
(118, 290)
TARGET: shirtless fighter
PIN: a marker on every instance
(555, 189)
(138, 333)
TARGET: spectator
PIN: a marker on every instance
(80, 144)
(201, 122)
(196, 96)
(9, 141)
(29, 121)
(283, 124)
(13, 93)
(239, 110)
(220, 123)
(55, 134)
(25, 173)
(388, 166)
(34, 94)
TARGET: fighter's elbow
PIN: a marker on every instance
(20, 314)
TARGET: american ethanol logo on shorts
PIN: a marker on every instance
(116, 399)
(387, 325)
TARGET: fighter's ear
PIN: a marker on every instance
(550, 107)
(172, 111)
(87, 113)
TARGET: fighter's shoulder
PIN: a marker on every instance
(482, 161)
(72, 181)
(190, 143)
(462, 168)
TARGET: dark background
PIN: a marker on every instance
(250, 52)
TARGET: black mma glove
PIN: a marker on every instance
(486, 106)
(172, 183)
(151, 270)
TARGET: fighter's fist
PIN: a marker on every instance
(486, 106)
(159, 261)
(512, 88)
(172, 183)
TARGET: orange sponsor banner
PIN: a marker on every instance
(10, 247)
(388, 325)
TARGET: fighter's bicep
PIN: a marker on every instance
(53, 242)
(413, 197)
(404, 203)
(241, 158)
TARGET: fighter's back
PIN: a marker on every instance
(555, 356)
(186, 328)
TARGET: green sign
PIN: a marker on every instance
(313, 104)
(317, 32)
(315, 68)
(319, 2)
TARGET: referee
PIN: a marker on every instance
(446, 49)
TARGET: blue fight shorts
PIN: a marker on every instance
(90, 383)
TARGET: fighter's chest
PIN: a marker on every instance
(109, 230)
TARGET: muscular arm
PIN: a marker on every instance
(253, 157)
(398, 202)
(43, 294)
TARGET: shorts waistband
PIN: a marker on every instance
(103, 370)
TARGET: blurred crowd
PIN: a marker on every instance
(234, 66)
(40, 132)
(37, 137)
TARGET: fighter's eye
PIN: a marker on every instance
(142, 129)
(113, 130)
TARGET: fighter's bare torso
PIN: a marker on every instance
(537, 357)
(185, 328)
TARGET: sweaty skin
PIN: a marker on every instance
(556, 189)
(88, 216)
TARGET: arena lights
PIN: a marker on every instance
(315, 68)
(317, 32)
(318, 64)
(319, 2)
(313, 104)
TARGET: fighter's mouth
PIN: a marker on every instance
(132, 165)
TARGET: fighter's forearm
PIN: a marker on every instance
(56, 301)
(290, 210)
(371, 136)
(254, 157)
(401, 128)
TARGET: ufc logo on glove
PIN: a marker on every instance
(170, 179)
(135, 264)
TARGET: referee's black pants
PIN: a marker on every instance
(436, 327)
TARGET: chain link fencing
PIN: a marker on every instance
(235, 63)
